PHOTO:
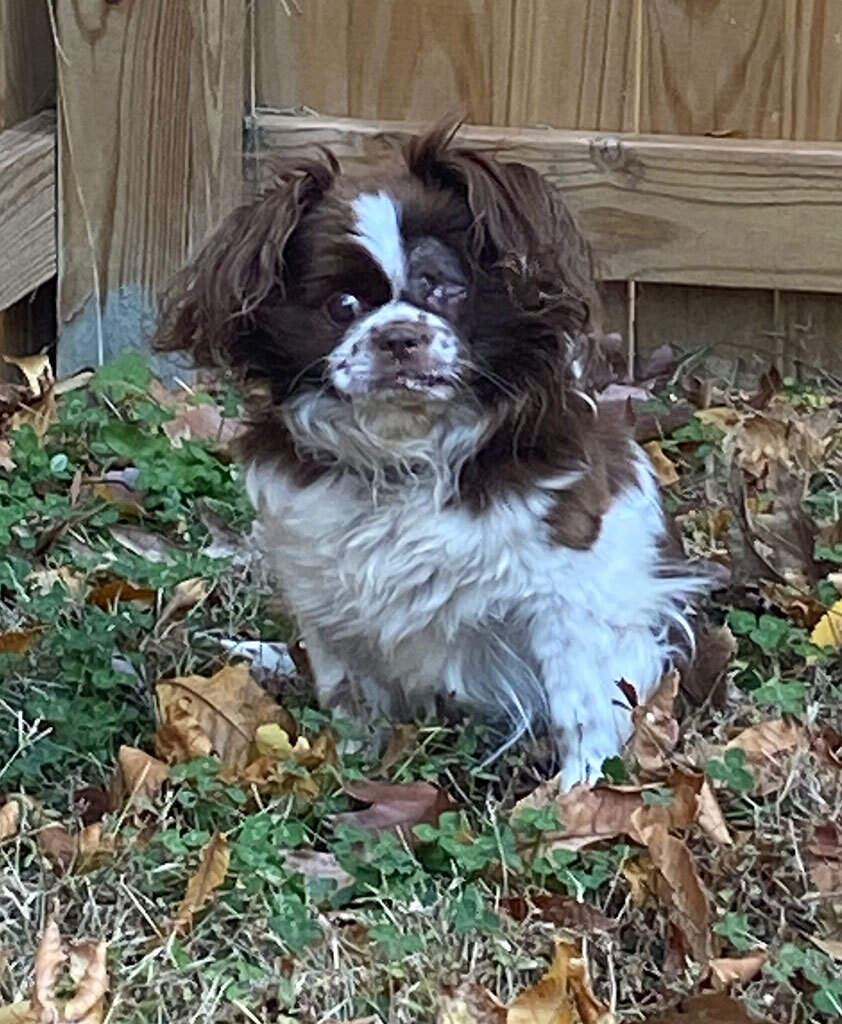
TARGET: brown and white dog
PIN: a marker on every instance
(445, 510)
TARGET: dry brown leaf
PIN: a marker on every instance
(710, 816)
(682, 890)
(768, 748)
(49, 961)
(269, 775)
(400, 806)
(470, 1003)
(58, 846)
(180, 737)
(88, 969)
(229, 707)
(655, 727)
(401, 743)
(318, 864)
(151, 546)
(201, 887)
(549, 1000)
(641, 875)
(203, 422)
(711, 1008)
(137, 774)
(665, 468)
(106, 594)
(727, 971)
(186, 595)
(563, 911)
(18, 641)
(9, 819)
(590, 1009)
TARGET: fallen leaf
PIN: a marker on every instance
(49, 961)
(665, 469)
(186, 595)
(269, 775)
(88, 969)
(9, 819)
(403, 740)
(828, 630)
(400, 806)
(711, 1008)
(768, 748)
(273, 741)
(549, 1000)
(682, 890)
(727, 971)
(706, 678)
(710, 816)
(180, 737)
(229, 707)
(203, 422)
(590, 1009)
(318, 864)
(655, 727)
(36, 369)
(641, 875)
(106, 594)
(137, 774)
(470, 1003)
(18, 641)
(201, 887)
(58, 846)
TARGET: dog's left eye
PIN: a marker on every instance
(343, 308)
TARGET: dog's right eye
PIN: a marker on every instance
(343, 308)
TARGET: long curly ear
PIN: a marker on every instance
(209, 310)
(520, 223)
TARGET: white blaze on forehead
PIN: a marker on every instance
(378, 231)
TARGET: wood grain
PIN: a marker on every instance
(678, 210)
(813, 70)
(713, 66)
(573, 64)
(386, 58)
(27, 207)
(150, 156)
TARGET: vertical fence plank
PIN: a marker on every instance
(151, 104)
(27, 85)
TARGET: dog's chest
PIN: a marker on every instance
(385, 565)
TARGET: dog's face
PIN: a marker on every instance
(452, 278)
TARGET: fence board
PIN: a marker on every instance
(386, 58)
(150, 158)
(814, 70)
(27, 207)
(713, 66)
(677, 210)
(573, 64)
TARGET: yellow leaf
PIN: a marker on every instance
(49, 960)
(548, 1001)
(664, 467)
(229, 707)
(138, 774)
(273, 741)
(88, 969)
(201, 887)
(9, 819)
(36, 369)
(470, 1003)
(828, 630)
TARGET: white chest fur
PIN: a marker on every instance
(398, 596)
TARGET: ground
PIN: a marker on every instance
(182, 823)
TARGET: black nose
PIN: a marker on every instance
(400, 340)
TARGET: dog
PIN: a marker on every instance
(447, 511)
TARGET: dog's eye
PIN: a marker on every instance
(343, 308)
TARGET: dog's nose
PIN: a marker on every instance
(399, 341)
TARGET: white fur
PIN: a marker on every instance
(353, 363)
(378, 231)
(402, 595)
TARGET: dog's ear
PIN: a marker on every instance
(521, 224)
(211, 306)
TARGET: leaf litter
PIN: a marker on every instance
(701, 876)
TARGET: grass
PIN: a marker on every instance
(105, 492)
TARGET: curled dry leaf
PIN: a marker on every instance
(203, 422)
(201, 887)
(655, 727)
(564, 992)
(88, 969)
(186, 595)
(137, 775)
(727, 971)
(58, 846)
(768, 748)
(710, 816)
(400, 806)
(180, 738)
(228, 707)
(9, 819)
(49, 961)
(665, 468)
(107, 594)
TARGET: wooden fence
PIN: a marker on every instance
(698, 141)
